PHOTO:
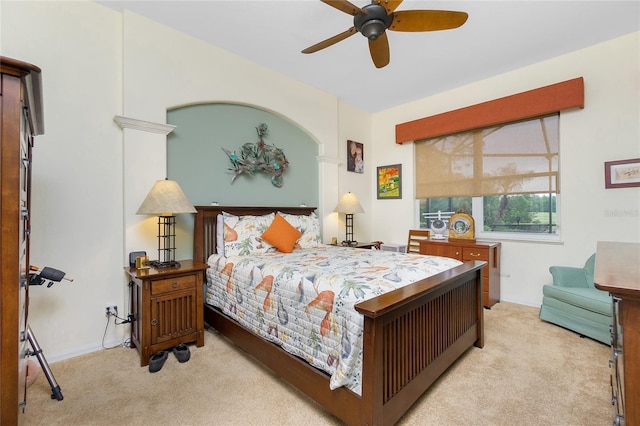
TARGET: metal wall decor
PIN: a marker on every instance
(259, 158)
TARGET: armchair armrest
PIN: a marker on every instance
(568, 276)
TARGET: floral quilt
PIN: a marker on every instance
(304, 301)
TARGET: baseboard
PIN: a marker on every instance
(521, 302)
(84, 350)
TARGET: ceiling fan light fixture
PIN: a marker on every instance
(374, 19)
(373, 28)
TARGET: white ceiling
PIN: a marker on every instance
(499, 36)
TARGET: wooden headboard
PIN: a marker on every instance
(204, 229)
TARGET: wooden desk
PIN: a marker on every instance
(618, 272)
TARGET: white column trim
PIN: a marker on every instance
(327, 159)
(145, 126)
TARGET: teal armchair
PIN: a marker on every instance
(573, 302)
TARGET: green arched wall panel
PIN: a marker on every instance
(196, 161)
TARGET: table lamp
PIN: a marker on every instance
(166, 199)
(349, 205)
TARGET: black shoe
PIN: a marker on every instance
(157, 361)
(182, 352)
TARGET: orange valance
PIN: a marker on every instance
(525, 105)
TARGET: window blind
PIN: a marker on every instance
(514, 158)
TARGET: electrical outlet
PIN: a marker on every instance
(112, 310)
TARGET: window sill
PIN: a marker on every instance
(520, 238)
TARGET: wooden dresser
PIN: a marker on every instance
(618, 272)
(487, 251)
(20, 120)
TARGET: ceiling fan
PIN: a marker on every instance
(374, 19)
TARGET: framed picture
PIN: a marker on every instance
(622, 174)
(389, 182)
(355, 157)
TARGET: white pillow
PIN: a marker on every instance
(242, 234)
(220, 234)
(309, 227)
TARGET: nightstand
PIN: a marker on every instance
(167, 304)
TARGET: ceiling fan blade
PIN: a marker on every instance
(427, 20)
(379, 49)
(389, 5)
(345, 6)
(330, 41)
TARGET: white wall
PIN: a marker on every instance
(90, 175)
(76, 214)
(607, 129)
(355, 124)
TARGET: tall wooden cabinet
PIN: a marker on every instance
(20, 120)
(488, 251)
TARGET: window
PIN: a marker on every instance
(506, 176)
(517, 214)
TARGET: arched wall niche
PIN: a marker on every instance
(196, 160)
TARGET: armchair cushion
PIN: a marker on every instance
(586, 298)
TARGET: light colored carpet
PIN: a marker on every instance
(529, 373)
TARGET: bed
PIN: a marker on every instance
(411, 335)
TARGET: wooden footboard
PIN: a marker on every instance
(411, 336)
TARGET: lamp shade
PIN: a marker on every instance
(165, 199)
(349, 204)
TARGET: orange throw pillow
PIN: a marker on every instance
(281, 234)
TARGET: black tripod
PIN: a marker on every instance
(40, 277)
(56, 393)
